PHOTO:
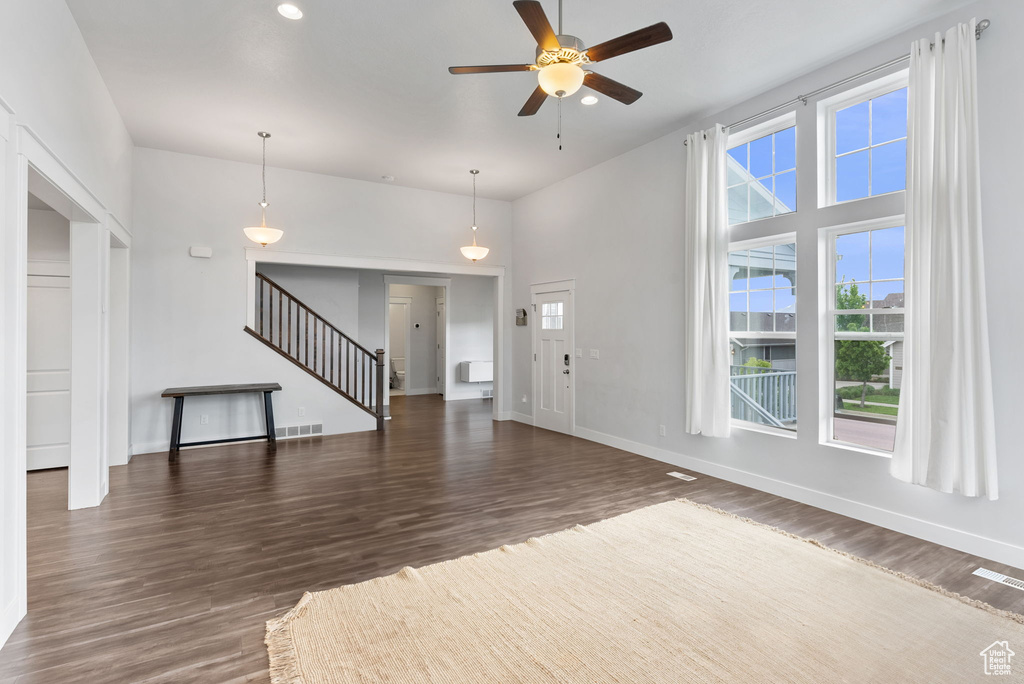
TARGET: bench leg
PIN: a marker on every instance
(179, 403)
(268, 407)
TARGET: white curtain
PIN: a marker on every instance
(706, 279)
(945, 438)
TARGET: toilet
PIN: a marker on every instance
(398, 373)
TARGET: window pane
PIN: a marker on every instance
(785, 265)
(761, 201)
(889, 117)
(761, 157)
(763, 382)
(739, 153)
(887, 253)
(852, 258)
(887, 323)
(785, 192)
(865, 404)
(762, 267)
(738, 271)
(738, 204)
(889, 167)
(738, 311)
(785, 150)
(785, 310)
(887, 294)
(761, 310)
(735, 174)
(852, 128)
(852, 176)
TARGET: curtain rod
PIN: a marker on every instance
(802, 99)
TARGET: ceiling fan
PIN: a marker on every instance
(561, 58)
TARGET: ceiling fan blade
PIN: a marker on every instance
(637, 40)
(613, 89)
(535, 20)
(533, 104)
(489, 69)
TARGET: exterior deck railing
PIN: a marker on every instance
(766, 396)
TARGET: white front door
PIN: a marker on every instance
(553, 362)
(442, 368)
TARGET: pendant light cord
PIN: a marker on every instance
(474, 203)
(264, 171)
(559, 135)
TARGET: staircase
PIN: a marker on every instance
(302, 336)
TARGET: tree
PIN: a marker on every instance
(858, 360)
(754, 362)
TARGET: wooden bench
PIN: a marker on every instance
(179, 394)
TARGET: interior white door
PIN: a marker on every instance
(48, 404)
(441, 344)
(552, 365)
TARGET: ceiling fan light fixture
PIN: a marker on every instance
(561, 79)
(588, 100)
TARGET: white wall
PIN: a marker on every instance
(617, 229)
(421, 357)
(51, 92)
(49, 236)
(189, 314)
(471, 331)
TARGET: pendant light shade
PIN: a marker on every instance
(474, 252)
(262, 234)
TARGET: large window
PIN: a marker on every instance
(762, 332)
(864, 136)
(761, 172)
(864, 322)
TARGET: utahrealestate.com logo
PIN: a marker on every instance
(997, 658)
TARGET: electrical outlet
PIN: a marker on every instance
(523, 399)
(204, 419)
(595, 354)
(302, 411)
(579, 353)
(661, 430)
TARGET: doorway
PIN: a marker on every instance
(48, 352)
(442, 344)
(400, 343)
(553, 365)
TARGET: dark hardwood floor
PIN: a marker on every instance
(172, 578)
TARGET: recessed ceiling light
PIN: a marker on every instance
(588, 100)
(289, 11)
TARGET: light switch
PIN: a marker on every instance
(595, 354)
(579, 353)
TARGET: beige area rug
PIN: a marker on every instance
(676, 592)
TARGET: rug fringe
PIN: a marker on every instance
(988, 608)
(284, 665)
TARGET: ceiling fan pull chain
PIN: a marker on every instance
(559, 136)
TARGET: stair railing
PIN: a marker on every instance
(297, 332)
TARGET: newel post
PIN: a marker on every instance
(379, 401)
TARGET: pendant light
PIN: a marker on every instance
(261, 234)
(474, 252)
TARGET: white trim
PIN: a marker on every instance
(826, 127)
(429, 281)
(416, 280)
(41, 158)
(826, 327)
(9, 619)
(553, 286)
(49, 267)
(905, 524)
(758, 131)
(763, 429)
(271, 256)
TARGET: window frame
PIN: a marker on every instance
(756, 132)
(826, 127)
(789, 237)
(826, 325)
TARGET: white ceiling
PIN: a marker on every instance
(362, 90)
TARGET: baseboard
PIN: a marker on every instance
(524, 418)
(425, 390)
(9, 620)
(905, 524)
(504, 415)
